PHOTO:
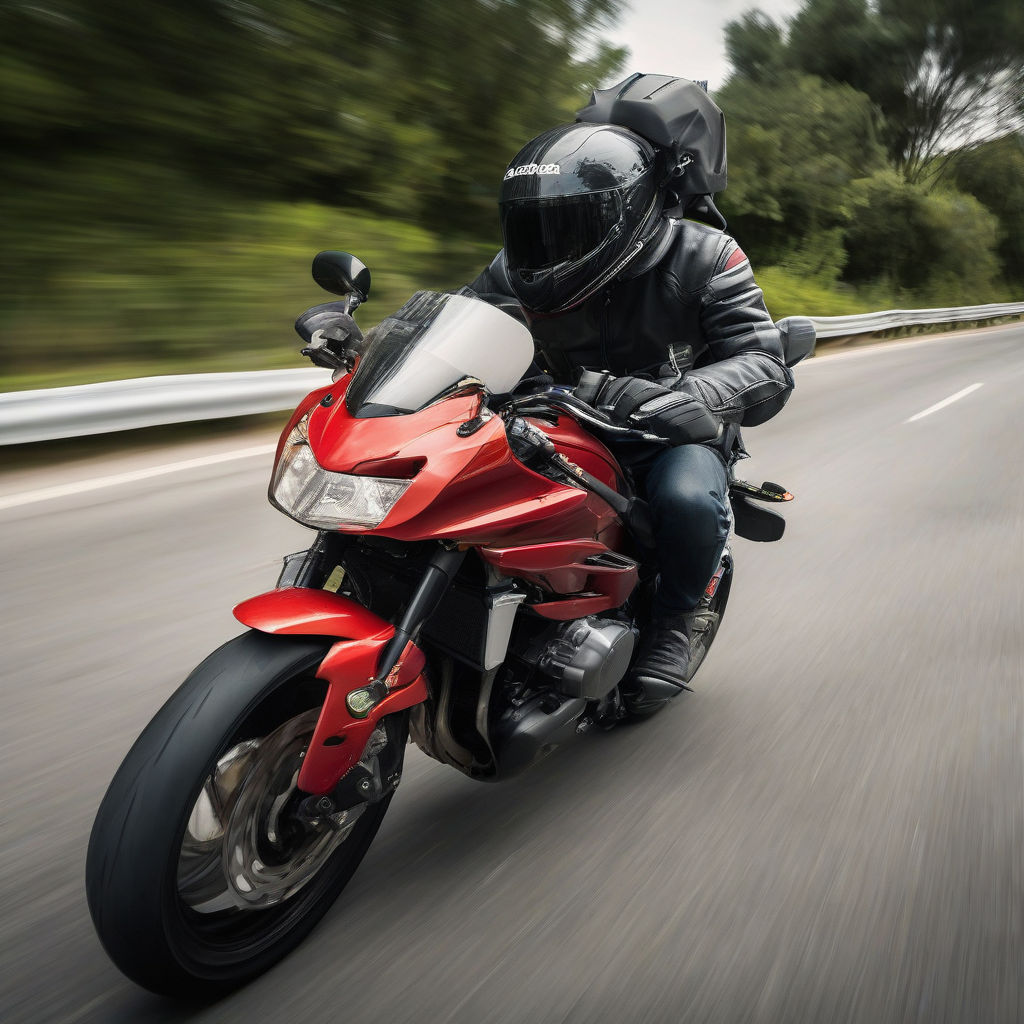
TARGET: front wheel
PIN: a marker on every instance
(206, 865)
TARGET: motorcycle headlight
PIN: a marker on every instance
(303, 489)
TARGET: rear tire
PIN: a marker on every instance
(254, 687)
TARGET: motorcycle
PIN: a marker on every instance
(479, 576)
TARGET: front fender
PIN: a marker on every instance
(300, 610)
(339, 738)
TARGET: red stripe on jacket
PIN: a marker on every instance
(737, 257)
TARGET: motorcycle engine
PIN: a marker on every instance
(588, 656)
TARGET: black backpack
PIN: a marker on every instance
(676, 115)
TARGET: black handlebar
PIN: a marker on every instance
(548, 399)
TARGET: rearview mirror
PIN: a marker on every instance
(341, 273)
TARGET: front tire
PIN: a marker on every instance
(199, 876)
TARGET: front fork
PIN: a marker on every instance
(377, 671)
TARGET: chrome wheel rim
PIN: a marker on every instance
(241, 851)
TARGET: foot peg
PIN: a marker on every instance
(751, 521)
(766, 492)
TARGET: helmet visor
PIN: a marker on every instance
(543, 233)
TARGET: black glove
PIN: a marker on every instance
(332, 337)
(642, 403)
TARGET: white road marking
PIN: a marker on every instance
(99, 482)
(946, 401)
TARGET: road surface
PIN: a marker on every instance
(829, 829)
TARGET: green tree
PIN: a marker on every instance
(796, 147)
(943, 73)
(145, 148)
(939, 243)
(756, 48)
(396, 104)
(994, 173)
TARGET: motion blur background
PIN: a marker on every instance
(831, 827)
(168, 168)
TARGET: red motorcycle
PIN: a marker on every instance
(477, 583)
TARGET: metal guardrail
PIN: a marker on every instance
(149, 402)
(46, 415)
(892, 319)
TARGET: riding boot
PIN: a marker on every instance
(659, 673)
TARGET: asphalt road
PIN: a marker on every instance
(829, 829)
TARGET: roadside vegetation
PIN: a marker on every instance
(875, 152)
(168, 169)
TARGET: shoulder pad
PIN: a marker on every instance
(697, 255)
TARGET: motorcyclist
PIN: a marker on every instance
(618, 260)
(617, 256)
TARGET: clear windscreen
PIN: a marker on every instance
(431, 344)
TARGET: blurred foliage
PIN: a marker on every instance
(168, 169)
(160, 162)
(858, 154)
(994, 173)
(409, 106)
(796, 147)
(220, 297)
(941, 73)
(939, 244)
(788, 292)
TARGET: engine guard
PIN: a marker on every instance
(339, 738)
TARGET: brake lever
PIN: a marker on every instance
(571, 405)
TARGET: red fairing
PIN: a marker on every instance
(296, 610)
(339, 738)
(312, 399)
(348, 666)
(582, 448)
(470, 489)
(562, 567)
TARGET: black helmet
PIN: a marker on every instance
(577, 205)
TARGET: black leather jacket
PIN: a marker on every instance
(691, 316)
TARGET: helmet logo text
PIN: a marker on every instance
(515, 172)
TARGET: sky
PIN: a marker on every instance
(685, 37)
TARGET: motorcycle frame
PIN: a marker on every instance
(538, 533)
(468, 491)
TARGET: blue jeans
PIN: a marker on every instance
(687, 489)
